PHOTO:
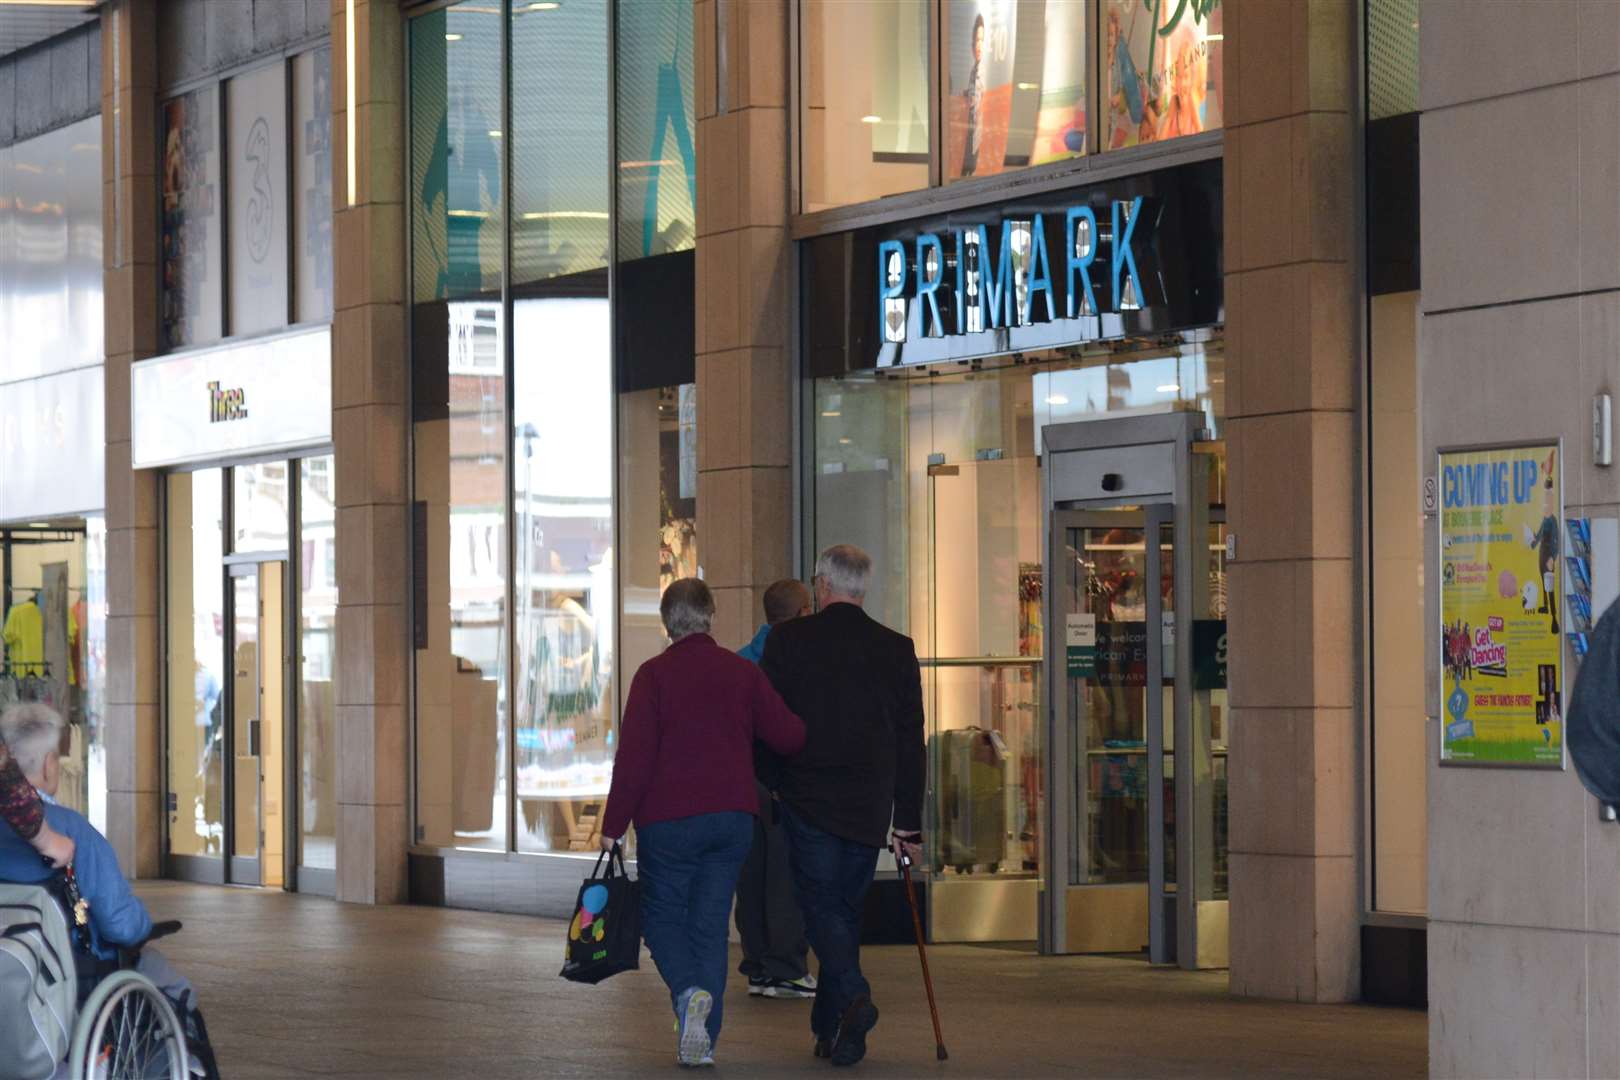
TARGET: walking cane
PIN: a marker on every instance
(922, 951)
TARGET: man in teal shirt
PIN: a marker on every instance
(775, 954)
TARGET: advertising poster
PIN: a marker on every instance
(1060, 121)
(1162, 67)
(1500, 589)
(978, 110)
(190, 237)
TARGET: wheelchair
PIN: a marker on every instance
(125, 1027)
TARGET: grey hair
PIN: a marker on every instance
(31, 732)
(687, 608)
(845, 569)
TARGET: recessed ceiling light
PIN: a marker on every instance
(1169, 388)
(1029, 86)
(544, 5)
(830, 413)
(452, 37)
(494, 134)
(39, 524)
(869, 118)
(844, 442)
(1057, 399)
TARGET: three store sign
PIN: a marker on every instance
(1019, 284)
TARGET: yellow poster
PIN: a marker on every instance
(1501, 590)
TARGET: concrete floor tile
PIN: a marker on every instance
(299, 986)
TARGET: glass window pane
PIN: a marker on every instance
(562, 450)
(866, 97)
(191, 264)
(317, 663)
(196, 628)
(459, 356)
(259, 507)
(1017, 84)
(456, 155)
(1162, 68)
(93, 663)
(312, 185)
(50, 252)
(657, 153)
(256, 166)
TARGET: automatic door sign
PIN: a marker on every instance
(1502, 609)
(1080, 645)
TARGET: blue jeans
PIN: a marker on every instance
(688, 870)
(831, 876)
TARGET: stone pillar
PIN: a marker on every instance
(133, 732)
(369, 419)
(1291, 375)
(745, 482)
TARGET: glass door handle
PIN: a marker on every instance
(253, 737)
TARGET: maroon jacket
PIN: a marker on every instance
(686, 745)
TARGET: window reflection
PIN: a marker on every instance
(196, 627)
(460, 424)
(866, 100)
(317, 663)
(1017, 85)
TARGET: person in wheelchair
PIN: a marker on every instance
(120, 926)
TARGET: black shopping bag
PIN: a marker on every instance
(604, 937)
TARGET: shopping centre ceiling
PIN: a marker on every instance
(27, 22)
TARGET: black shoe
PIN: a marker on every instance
(823, 1048)
(849, 1045)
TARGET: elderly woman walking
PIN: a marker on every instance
(684, 775)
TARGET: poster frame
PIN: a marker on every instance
(1437, 661)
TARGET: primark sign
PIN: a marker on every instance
(1136, 256)
(1016, 282)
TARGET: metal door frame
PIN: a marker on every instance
(1062, 504)
(239, 868)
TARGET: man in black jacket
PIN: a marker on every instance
(857, 687)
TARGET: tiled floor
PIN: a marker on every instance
(297, 987)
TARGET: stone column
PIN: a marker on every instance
(745, 481)
(369, 419)
(133, 732)
(1291, 374)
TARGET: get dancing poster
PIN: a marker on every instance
(1501, 592)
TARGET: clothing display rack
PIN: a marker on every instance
(27, 683)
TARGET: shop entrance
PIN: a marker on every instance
(257, 734)
(1136, 692)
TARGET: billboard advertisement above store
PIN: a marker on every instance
(267, 396)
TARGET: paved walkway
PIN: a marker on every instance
(297, 987)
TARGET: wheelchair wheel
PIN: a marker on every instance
(127, 1030)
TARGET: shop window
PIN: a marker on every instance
(312, 186)
(317, 665)
(1016, 85)
(190, 260)
(656, 127)
(865, 87)
(461, 424)
(196, 663)
(1162, 70)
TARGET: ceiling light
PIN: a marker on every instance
(869, 118)
(452, 37)
(1029, 86)
(39, 524)
(845, 441)
(1215, 37)
(831, 413)
(494, 134)
(1057, 399)
(1169, 388)
(559, 215)
(544, 5)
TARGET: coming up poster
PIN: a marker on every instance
(1500, 594)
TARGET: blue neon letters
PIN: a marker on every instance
(992, 291)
